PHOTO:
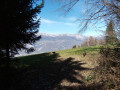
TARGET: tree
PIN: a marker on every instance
(85, 44)
(101, 41)
(96, 11)
(91, 41)
(110, 33)
(18, 25)
(96, 42)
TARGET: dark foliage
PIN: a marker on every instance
(74, 46)
(110, 33)
(109, 66)
(18, 25)
(84, 54)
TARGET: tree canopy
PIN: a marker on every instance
(110, 33)
(19, 25)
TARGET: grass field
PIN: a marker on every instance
(42, 60)
(64, 70)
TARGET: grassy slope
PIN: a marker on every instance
(41, 60)
(66, 68)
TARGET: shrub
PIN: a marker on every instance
(109, 68)
(74, 46)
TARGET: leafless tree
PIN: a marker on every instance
(97, 11)
(101, 41)
(85, 44)
(91, 41)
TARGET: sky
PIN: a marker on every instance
(55, 21)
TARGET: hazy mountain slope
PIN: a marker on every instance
(54, 42)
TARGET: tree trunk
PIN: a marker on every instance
(7, 67)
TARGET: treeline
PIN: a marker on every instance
(91, 41)
(110, 37)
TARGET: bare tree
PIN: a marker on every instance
(85, 44)
(91, 41)
(101, 41)
(97, 11)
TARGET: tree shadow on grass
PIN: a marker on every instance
(54, 71)
(45, 72)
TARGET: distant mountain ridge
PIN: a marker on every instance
(54, 42)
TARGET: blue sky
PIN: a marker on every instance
(54, 21)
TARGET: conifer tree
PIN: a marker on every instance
(18, 25)
(110, 33)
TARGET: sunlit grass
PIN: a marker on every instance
(44, 59)
(61, 65)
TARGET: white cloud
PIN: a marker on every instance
(70, 19)
(78, 36)
(48, 21)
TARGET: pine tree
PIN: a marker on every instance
(110, 33)
(18, 25)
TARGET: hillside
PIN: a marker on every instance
(54, 42)
(64, 70)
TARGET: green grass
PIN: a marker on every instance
(44, 59)
(34, 61)
(54, 69)
(79, 51)
(58, 71)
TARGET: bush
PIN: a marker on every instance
(109, 68)
(74, 46)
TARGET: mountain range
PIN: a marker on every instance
(54, 42)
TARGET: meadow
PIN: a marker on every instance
(62, 70)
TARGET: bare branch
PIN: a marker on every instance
(97, 11)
